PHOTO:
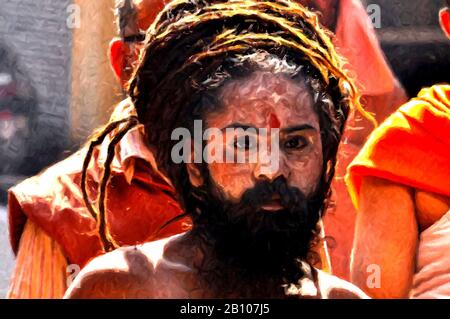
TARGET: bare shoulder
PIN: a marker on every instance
(332, 287)
(127, 272)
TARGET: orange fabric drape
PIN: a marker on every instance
(41, 268)
(412, 147)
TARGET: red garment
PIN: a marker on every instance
(139, 201)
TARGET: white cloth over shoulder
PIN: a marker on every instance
(432, 278)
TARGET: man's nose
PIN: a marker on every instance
(271, 170)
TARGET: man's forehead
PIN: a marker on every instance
(272, 88)
(264, 100)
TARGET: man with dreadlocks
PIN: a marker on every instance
(253, 67)
(50, 225)
(382, 94)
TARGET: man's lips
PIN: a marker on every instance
(273, 205)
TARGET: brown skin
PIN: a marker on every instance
(387, 234)
(165, 269)
(387, 231)
(168, 268)
(148, 10)
(430, 207)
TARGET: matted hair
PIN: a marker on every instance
(190, 42)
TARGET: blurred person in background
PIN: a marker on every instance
(18, 112)
(400, 183)
(50, 225)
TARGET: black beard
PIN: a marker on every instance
(246, 237)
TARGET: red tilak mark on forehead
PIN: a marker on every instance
(274, 122)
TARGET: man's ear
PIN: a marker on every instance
(195, 175)
(444, 17)
(117, 56)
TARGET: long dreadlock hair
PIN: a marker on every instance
(190, 42)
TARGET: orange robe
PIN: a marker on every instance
(42, 270)
(412, 147)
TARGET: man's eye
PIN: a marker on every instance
(245, 143)
(296, 142)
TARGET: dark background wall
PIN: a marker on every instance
(413, 41)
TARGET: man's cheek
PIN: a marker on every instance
(232, 179)
(305, 175)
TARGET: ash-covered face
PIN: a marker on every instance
(269, 101)
(253, 209)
